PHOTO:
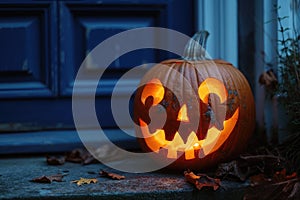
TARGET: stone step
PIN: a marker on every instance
(16, 173)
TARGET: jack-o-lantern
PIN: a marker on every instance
(195, 111)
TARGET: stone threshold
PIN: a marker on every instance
(16, 173)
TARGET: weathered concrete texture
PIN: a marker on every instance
(16, 173)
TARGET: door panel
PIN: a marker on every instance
(27, 57)
(90, 24)
(43, 44)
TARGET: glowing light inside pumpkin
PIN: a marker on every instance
(182, 114)
(214, 138)
(212, 85)
(155, 89)
(196, 145)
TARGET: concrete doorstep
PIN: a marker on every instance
(16, 173)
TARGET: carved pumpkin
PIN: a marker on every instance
(195, 111)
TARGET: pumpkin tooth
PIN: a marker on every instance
(191, 146)
(189, 154)
(192, 139)
(176, 144)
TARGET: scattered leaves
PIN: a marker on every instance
(111, 175)
(259, 179)
(280, 176)
(278, 186)
(82, 181)
(56, 160)
(233, 170)
(249, 165)
(202, 180)
(80, 156)
(282, 190)
(48, 179)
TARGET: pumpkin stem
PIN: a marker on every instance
(195, 49)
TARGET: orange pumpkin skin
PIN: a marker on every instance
(234, 103)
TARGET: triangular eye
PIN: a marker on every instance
(183, 115)
(155, 89)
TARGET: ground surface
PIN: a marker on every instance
(16, 173)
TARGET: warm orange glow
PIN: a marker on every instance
(212, 85)
(154, 141)
(214, 138)
(189, 147)
(182, 114)
(155, 89)
(213, 141)
(196, 146)
(175, 145)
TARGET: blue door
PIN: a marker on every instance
(43, 43)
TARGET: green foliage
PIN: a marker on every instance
(289, 71)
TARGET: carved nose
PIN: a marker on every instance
(182, 114)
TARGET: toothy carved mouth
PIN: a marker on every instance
(214, 139)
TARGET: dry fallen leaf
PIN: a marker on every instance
(111, 175)
(278, 177)
(82, 181)
(55, 160)
(202, 180)
(278, 186)
(268, 79)
(80, 156)
(259, 179)
(234, 170)
(282, 176)
(48, 179)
